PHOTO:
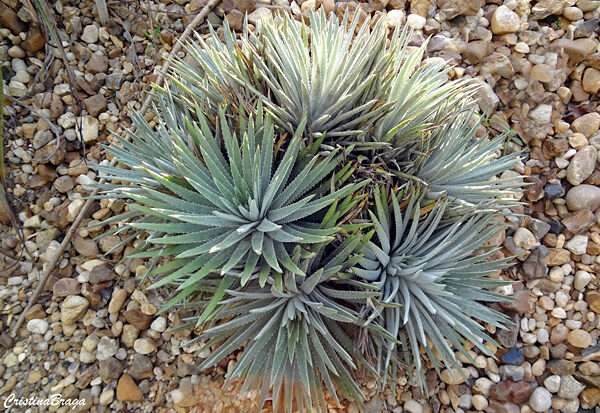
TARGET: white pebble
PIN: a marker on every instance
(552, 383)
(415, 21)
(582, 279)
(37, 326)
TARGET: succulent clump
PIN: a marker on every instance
(322, 199)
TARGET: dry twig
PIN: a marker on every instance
(67, 239)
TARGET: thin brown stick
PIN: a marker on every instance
(63, 245)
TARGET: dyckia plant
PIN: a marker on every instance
(321, 199)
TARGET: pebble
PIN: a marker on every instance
(259, 14)
(582, 165)
(144, 345)
(64, 184)
(577, 245)
(159, 324)
(570, 388)
(415, 21)
(513, 356)
(138, 319)
(582, 279)
(107, 347)
(72, 309)
(552, 383)
(447, 378)
(579, 338)
(505, 21)
(591, 80)
(524, 238)
(37, 326)
(540, 400)
(583, 197)
(127, 390)
(587, 124)
(110, 369)
(118, 299)
(90, 34)
(541, 114)
(107, 396)
(412, 406)
(479, 402)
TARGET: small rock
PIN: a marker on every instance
(85, 246)
(578, 140)
(554, 147)
(98, 63)
(259, 14)
(583, 196)
(106, 397)
(511, 391)
(64, 184)
(141, 367)
(582, 279)
(475, 52)
(395, 18)
(109, 369)
(10, 20)
(138, 319)
(129, 334)
(582, 165)
(541, 114)
(587, 124)
(127, 390)
(412, 406)
(569, 388)
(579, 338)
(101, 273)
(577, 245)
(65, 287)
(479, 402)
(579, 221)
(524, 238)
(536, 265)
(541, 73)
(521, 303)
(72, 309)
(513, 356)
(484, 95)
(505, 21)
(107, 347)
(95, 104)
(540, 400)
(144, 345)
(592, 298)
(415, 21)
(538, 227)
(159, 324)
(35, 40)
(514, 373)
(560, 367)
(118, 299)
(37, 326)
(90, 34)
(447, 378)
(590, 398)
(89, 129)
(552, 383)
(591, 80)
(108, 242)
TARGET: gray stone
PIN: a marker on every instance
(569, 388)
(583, 197)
